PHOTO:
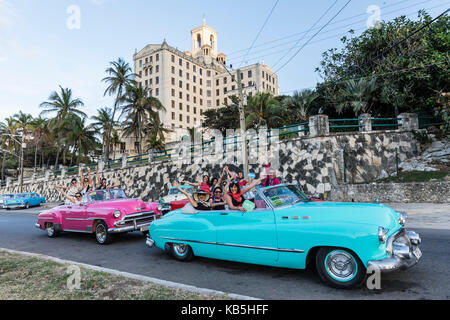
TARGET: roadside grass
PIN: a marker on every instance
(31, 278)
(417, 176)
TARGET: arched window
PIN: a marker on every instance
(211, 40)
(199, 40)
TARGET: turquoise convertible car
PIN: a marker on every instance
(287, 229)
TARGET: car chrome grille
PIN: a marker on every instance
(136, 219)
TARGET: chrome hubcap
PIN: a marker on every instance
(180, 249)
(101, 233)
(50, 230)
(341, 265)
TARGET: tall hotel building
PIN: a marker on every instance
(189, 83)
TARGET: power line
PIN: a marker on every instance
(333, 23)
(295, 45)
(365, 77)
(260, 30)
(287, 62)
(408, 36)
(330, 37)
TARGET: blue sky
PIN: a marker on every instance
(39, 52)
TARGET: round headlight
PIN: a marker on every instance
(116, 214)
(402, 218)
(382, 234)
(159, 207)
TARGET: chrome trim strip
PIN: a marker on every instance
(75, 219)
(79, 231)
(237, 245)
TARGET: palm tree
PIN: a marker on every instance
(102, 122)
(81, 137)
(120, 75)
(358, 95)
(140, 111)
(263, 110)
(65, 106)
(299, 104)
(38, 125)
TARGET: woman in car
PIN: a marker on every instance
(234, 196)
(199, 200)
(204, 186)
(217, 201)
(102, 183)
(76, 199)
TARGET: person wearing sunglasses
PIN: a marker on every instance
(76, 199)
(217, 201)
(199, 200)
(86, 182)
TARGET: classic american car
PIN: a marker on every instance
(174, 199)
(102, 212)
(287, 229)
(21, 200)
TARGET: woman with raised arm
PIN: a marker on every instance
(234, 196)
(217, 182)
(86, 183)
(77, 199)
(102, 183)
(204, 186)
(199, 200)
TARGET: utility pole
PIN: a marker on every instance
(242, 123)
(22, 147)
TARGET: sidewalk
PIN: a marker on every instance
(425, 215)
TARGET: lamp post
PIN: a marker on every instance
(22, 147)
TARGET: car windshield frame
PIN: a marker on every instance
(105, 195)
(276, 204)
(175, 191)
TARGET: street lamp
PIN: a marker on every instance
(23, 145)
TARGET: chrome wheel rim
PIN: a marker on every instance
(100, 232)
(50, 231)
(341, 265)
(180, 249)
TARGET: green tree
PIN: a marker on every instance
(81, 137)
(409, 68)
(102, 123)
(358, 95)
(299, 105)
(263, 109)
(120, 76)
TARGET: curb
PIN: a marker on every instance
(166, 283)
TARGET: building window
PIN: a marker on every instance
(180, 84)
(187, 86)
(217, 92)
(181, 117)
(208, 93)
(217, 82)
(200, 70)
(194, 68)
(187, 97)
(157, 80)
(208, 83)
(173, 115)
(180, 62)
(157, 68)
(180, 73)
(173, 81)
(146, 72)
(208, 73)
(181, 106)
(194, 78)
(157, 57)
(217, 102)
(173, 92)
(201, 81)
(188, 119)
(173, 70)
(195, 110)
(201, 91)
(225, 80)
(173, 104)
(140, 63)
(187, 108)
(187, 75)
(157, 91)
(172, 58)
(181, 95)
(195, 99)
(187, 65)
(249, 73)
(201, 102)
(194, 88)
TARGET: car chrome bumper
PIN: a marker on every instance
(150, 242)
(37, 225)
(140, 227)
(405, 253)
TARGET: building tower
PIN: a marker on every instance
(204, 42)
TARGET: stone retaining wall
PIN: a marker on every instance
(420, 192)
(316, 163)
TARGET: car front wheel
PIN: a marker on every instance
(181, 251)
(340, 268)
(101, 233)
(51, 231)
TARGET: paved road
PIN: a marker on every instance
(427, 280)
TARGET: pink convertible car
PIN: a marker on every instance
(102, 212)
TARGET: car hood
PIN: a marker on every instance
(170, 198)
(364, 213)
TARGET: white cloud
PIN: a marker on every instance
(7, 14)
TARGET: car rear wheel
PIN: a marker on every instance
(51, 231)
(27, 205)
(340, 268)
(101, 233)
(181, 251)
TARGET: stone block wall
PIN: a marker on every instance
(315, 163)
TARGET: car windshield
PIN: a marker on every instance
(102, 195)
(285, 195)
(21, 195)
(175, 191)
(8, 196)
